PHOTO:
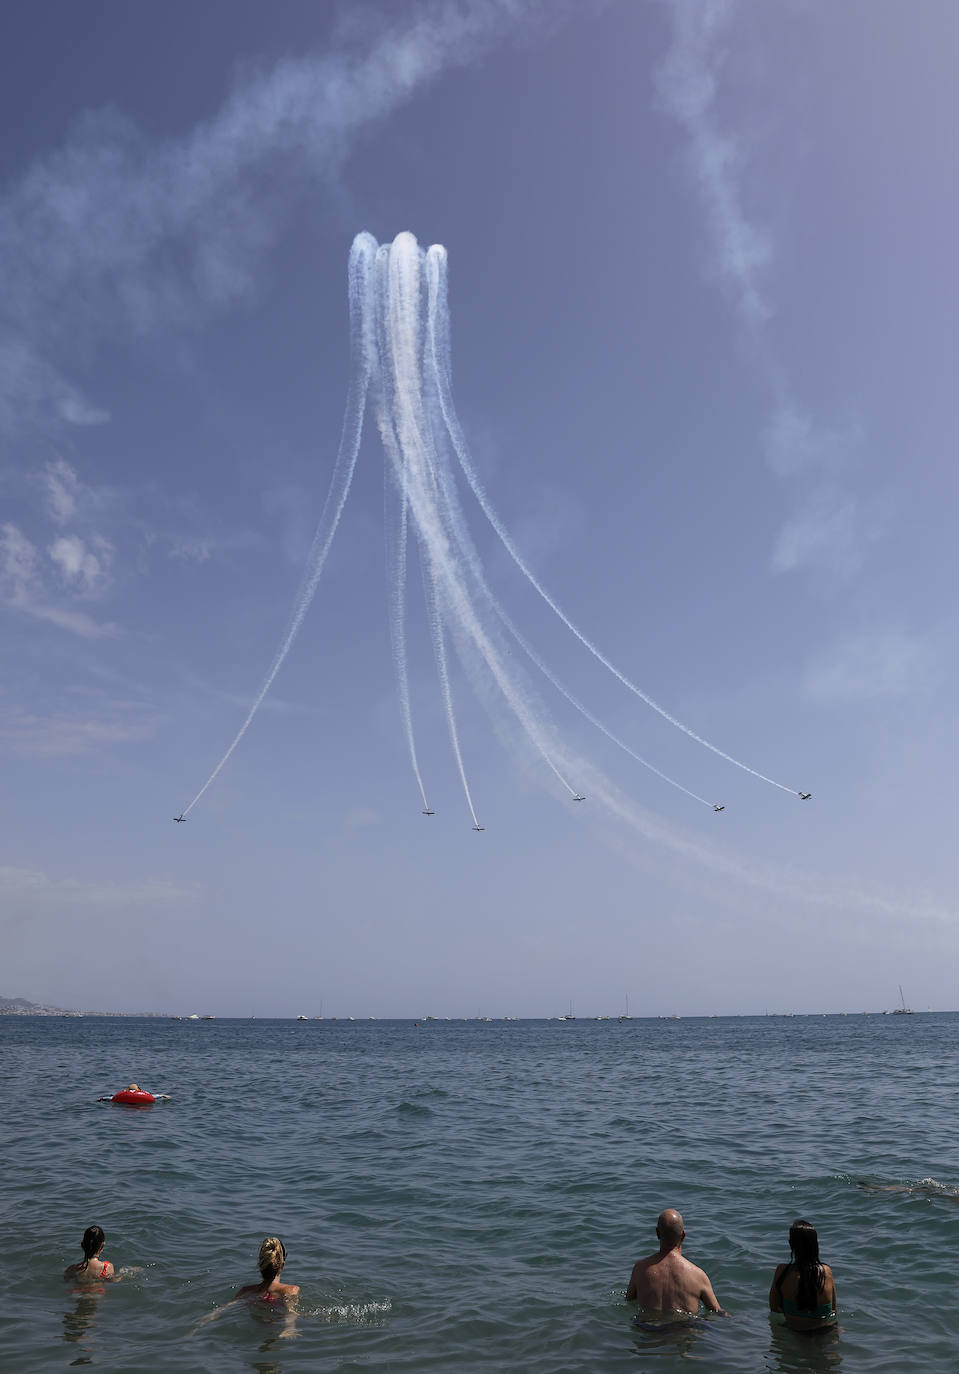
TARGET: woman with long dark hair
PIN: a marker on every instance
(92, 1268)
(803, 1290)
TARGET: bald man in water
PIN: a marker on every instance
(666, 1282)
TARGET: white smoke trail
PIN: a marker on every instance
(444, 477)
(440, 521)
(363, 350)
(547, 672)
(385, 394)
(436, 265)
(442, 669)
(396, 560)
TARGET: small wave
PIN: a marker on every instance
(923, 1187)
(413, 1109)
(357, 1313)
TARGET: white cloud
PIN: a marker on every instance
(832, 530)
(80, 412)
(55, 736)
(687, 86)
(83, 565)
(831, 533)
(18, 564)
(77, 622)
(888, 664)
(61, 484)
(795, 443)
(22, 587)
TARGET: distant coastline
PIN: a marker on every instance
(19, 1006)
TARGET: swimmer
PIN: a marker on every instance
(92, 1269)
(280, 1296)
(804, 1290)
(135, 1088)
(271, 1262)
(928, 1188)
(667, 1281)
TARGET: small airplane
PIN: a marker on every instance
(578, 797)
(428, 812)
(805, 795)
(179, 819)
(479, 827)
(718, 808)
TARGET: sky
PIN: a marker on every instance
(703, 304)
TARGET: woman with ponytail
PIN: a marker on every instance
(271, 1260)
(803, 1290)
(92, 1269)
(280, 1296)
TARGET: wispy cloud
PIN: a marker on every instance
(30, 893)
(111, 230)
(84, 565)
(831, 528)
(26, 576)
(831, 533)
(796, 444)
(59, 735)
(687, 84)
(872, 666)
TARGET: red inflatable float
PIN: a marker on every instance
(133, 1097)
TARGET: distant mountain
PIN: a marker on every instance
(19, 1006)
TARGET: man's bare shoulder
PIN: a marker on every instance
(694, 1271)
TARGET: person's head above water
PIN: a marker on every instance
(804, 1242)
(92, 1243)
(272, 1258)
(133, 1088)
(670, 1229)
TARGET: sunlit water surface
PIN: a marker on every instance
(471, 1196)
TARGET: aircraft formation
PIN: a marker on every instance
(401, 370)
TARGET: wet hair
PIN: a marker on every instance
(272, 1258)
(804, 1244)
(93, 1240)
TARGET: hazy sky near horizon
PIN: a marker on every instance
(703, 299)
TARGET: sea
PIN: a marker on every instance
(472, 1195)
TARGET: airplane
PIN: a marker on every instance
(719, 808)
(479, 827)
(578, 797)
(428, 812)
(805, 795)
(179, 819)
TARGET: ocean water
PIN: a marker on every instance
(464, 1196)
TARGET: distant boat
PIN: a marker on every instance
(570, 1017)
(302, 1018)
(625, 1016)
(193, 1017)
(208, 1017)
(902, 1010)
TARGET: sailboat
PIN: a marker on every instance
(570, 1017)
(902, 1010)
(625, 1016)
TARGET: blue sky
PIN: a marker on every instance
(703, 310)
